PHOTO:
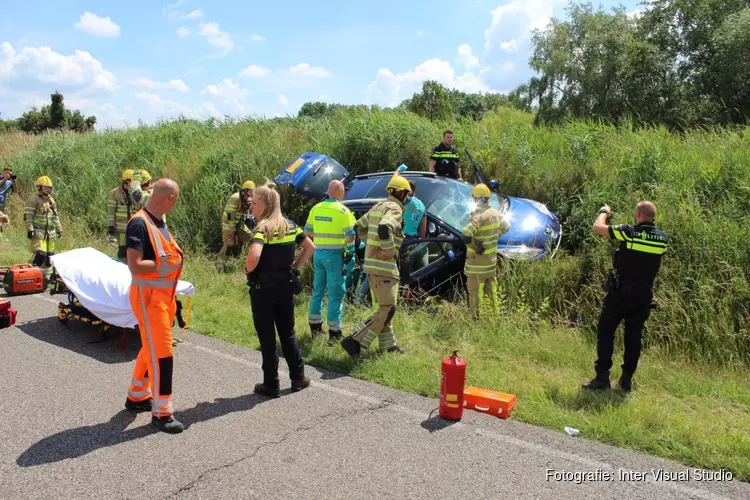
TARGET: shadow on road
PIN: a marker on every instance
(84, 339)
(75, 443)
(435, 423)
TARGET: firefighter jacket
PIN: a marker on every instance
(41, 217)
(331, 225)
(120, 209)
(234, 214)
(381, 229)
(481, 236)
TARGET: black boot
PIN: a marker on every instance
(298, 385)
(334, 336)
(144, 405)
(597, 384)
(167, 424)
(351, 347)
(316, 329)
(271, 392)
(626, 382)
(396, 348)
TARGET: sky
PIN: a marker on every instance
(152, 60)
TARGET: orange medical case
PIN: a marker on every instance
(22, 279)
(494, 403)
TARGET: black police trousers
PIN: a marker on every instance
(633, 306)
(273, 311)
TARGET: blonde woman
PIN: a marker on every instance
(272, 275)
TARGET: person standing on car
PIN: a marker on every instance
(331, 227)
(42, 223)
(629, 290)
(155, 262)
(234, 231)
(120, 209)
(481, 236)
(380, 227)
(273, 279)
(444, 158)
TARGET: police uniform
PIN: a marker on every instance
(272, 289)
(331, 224)
(381, 229)
(446, 160)
(629, 293)
(481, 235)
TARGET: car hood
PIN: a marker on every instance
(310, 174)
(532, 226)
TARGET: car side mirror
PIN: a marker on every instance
(451, 255)
(494, 184)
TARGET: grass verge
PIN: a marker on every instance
(694, 414)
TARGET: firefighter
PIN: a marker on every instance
(481, 235)
(234, 231)
(273, 280)
(155, 262)
(42, 223)
(120, 209)
(444, 158)
(380, 227)
(629, 287)
(140, 187)
(331, 227)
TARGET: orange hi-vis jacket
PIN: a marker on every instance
(152, 297)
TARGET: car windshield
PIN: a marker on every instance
(446, 200)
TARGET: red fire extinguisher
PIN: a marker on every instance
(452, 382)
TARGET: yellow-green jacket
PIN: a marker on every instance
(381, 229)
(41, 217)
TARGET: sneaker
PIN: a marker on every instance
(298, 385)
(144, 405)
(626, 383)
(167, 424)
(396, 348)
(597, 385)
(263, 389)
(351, 347)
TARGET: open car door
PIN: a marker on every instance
(310, 173)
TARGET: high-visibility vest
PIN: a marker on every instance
(389, 213)
(331, 225)
(120, 209)
(41, 217)
(486, 226)
(169, 259)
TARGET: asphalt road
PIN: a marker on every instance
(65, 433)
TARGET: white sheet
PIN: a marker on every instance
(102, 284)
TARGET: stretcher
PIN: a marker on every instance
(97, 288)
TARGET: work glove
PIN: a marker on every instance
(111, 231)
(479, 247)
(30, 235)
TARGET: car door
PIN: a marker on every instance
(432, 265)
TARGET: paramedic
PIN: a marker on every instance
(42, 223)
(331, 227)
(155, 261)
(273, 280)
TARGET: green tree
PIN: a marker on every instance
(57, 112)
(433, 102)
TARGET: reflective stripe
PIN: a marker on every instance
(367, 339)
(645, 248)
(139, 383)
(154, 283)
(139, 394)
(314, 318)
(386, 340)
(154, 364)
(326, 246)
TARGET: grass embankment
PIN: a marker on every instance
(692, 392)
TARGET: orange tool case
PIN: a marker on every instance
(494, 403)
(7, 314)
(22, 279)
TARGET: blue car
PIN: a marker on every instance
(433, 264)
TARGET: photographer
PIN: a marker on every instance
(273, 278)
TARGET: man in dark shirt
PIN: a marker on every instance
(444, 158)
(137, 238)
(629, 290)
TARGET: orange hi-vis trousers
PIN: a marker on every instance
(152, 297)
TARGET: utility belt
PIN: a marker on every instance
(616, 282)
(258, 281)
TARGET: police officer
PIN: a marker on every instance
(380, 227)
(444, 158)
(331, 227)
(481, 235)
(272, 275)
(234, 230)
(629, 290)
